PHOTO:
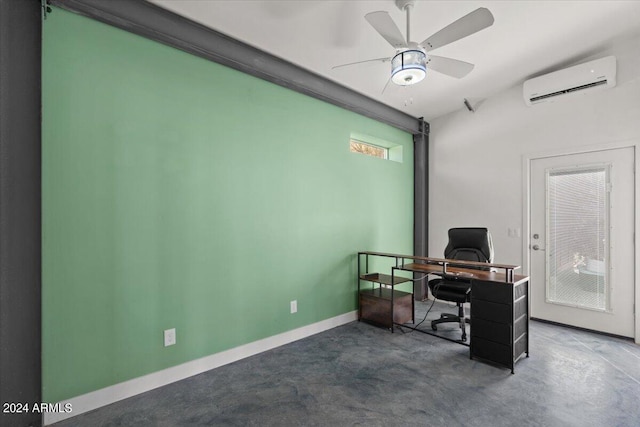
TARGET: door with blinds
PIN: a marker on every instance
(582, 240)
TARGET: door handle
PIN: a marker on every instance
(536, 248)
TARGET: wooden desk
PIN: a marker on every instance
(499, 303)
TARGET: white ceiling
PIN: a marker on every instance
(528, 38)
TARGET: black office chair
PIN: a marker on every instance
(468, 244)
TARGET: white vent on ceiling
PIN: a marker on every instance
(582, 78)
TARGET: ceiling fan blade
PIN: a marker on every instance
(448, 66)
(383, 24)
(362, 62)
(472, 23)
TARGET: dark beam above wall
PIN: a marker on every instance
(421, 204)
(153, 22)
(20, 261)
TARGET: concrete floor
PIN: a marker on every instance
(362, 375)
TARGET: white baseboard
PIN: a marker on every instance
(106, 396)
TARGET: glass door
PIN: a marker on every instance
(582, 240)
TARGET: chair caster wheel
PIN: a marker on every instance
(464, 339)
(434, 327)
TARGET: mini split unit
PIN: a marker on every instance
(582, 78)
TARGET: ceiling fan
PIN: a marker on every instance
(411, 60)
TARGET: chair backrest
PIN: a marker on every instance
(469, 244)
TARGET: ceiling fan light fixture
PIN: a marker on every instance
(408, 67)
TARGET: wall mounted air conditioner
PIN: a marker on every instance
(582, 78)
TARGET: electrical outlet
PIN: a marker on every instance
(169, 337)
(294, 306)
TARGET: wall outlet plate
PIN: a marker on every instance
(169, 337)
(294, 306)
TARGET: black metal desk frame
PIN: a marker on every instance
(516, 302)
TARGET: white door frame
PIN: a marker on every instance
(526, 208)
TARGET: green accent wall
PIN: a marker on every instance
(178, 193)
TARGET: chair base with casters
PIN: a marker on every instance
(457, 291)
(449, 317)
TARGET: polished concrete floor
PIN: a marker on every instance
(362, 375)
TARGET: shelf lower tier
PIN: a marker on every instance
(375, 306)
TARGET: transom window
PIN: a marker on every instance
(368, 149)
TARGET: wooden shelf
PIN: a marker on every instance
(384, 279)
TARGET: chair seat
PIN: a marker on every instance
(450, 290)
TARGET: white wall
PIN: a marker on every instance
(476, 159)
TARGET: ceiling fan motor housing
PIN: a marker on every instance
(408, 67)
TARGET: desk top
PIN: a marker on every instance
(463, 273)
(454, 267)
